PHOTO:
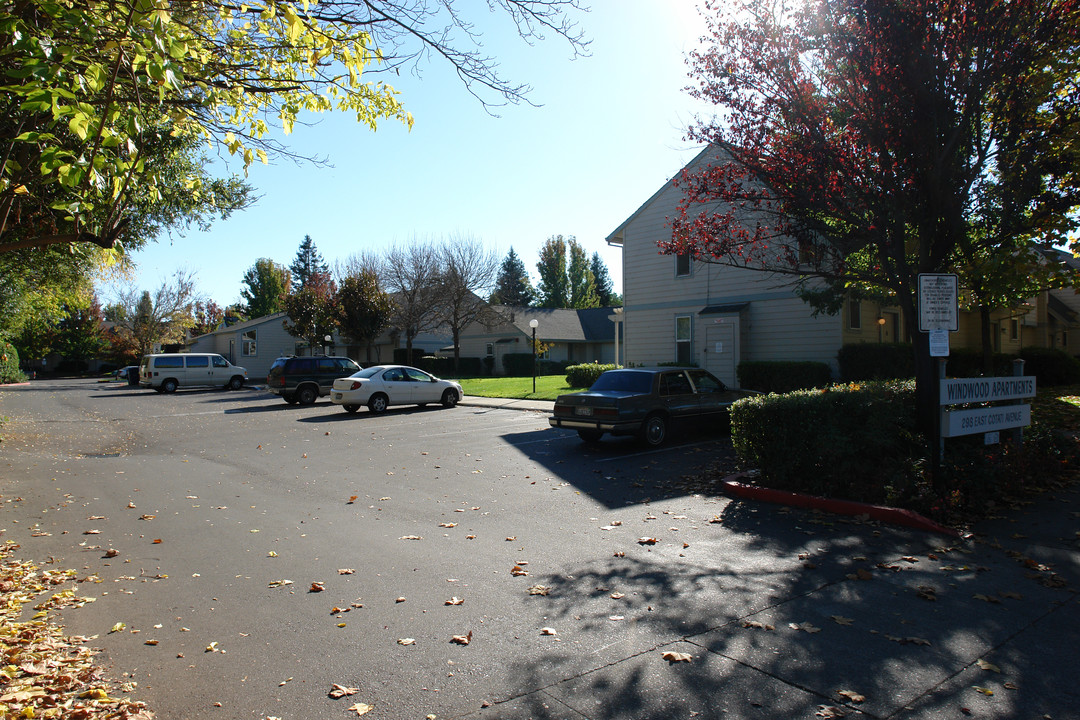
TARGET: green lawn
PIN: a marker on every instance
(548, 387)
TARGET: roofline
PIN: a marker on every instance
(615, 237)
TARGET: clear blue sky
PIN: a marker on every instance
(609, 131)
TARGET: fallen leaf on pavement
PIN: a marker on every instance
(647, 541)
(462, 639)
(986, 665)
(758, 625)
(410, 537)
(539, 590)
(517, 571)
(360, 708)
(805, 627)
(852, 696)
(984, 691)
(406, 641)
(118, 627)
(841, 620)
(316, 587)
(674, 657)
(280, 583)
(986, 598)
(828, 711)
(345, 571)
(548, 631)
(455, 601)
(338, 691)
(447, 525)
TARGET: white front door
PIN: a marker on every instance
(722, 349)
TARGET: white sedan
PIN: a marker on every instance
(381, 386)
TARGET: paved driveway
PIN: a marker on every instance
(273, 551)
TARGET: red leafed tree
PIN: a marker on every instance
(862, 142)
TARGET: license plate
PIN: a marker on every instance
(586, 411)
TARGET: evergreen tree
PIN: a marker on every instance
(307, 264)
(605, 291)
(513, 287)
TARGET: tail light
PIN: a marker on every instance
(356, 385)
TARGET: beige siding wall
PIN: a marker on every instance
(775, 325)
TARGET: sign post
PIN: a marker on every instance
(939, 315)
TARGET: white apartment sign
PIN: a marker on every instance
(939, 307)
(986, 389)
(985, 419)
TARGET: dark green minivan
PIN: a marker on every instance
(304, 380)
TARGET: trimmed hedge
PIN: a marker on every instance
(401, 357)
(9, 364)
(444, 366)
(968, 362)
(876, 361)
(779, 376)
(583, 376)
(518, 364)
(852, 441)
(1051, 366)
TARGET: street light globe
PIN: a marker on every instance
(534, 323)
(328, 338)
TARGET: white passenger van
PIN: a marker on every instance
(166, 373)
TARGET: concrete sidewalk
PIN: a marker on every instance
(546, 406)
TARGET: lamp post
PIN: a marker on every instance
(326, 341)
(880, 328)
(533, 324)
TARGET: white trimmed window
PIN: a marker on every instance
(684, 339)
(247, 343)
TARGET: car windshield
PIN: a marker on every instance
(368, 372)
(626, 381)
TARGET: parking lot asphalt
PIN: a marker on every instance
(659, 606)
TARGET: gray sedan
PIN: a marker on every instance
(643, 402)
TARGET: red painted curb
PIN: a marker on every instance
(896, 516)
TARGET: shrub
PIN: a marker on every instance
(850, 441)
(518, 364)
(1051, 366)
(489, 364)
(401, 357)
(583, 376)
(968, 362)
(9, 364)
(550, 367)
(779, 377)
(876, 361)
(442, 366)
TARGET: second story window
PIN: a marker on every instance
(682, 265)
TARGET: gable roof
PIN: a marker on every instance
(616, 235)
(562, 324)
(241, 326)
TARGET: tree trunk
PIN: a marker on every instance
(987, 342)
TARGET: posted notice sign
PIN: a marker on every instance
(939, 307)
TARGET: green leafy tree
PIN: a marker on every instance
(307, 264)
(90, 87)
(580, 278)
(512, 286)
(364, 309)
(553, 290)
(605, 290)
(312, 310)
(80, 336)
(266, 286)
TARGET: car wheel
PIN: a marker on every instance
(449, 398)
(351, 408)
(589, 435)
(654, 431)
(421, 405)
(169, 386)
(236, 383)
(307, 395)
(289, 399)
(378, 403)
